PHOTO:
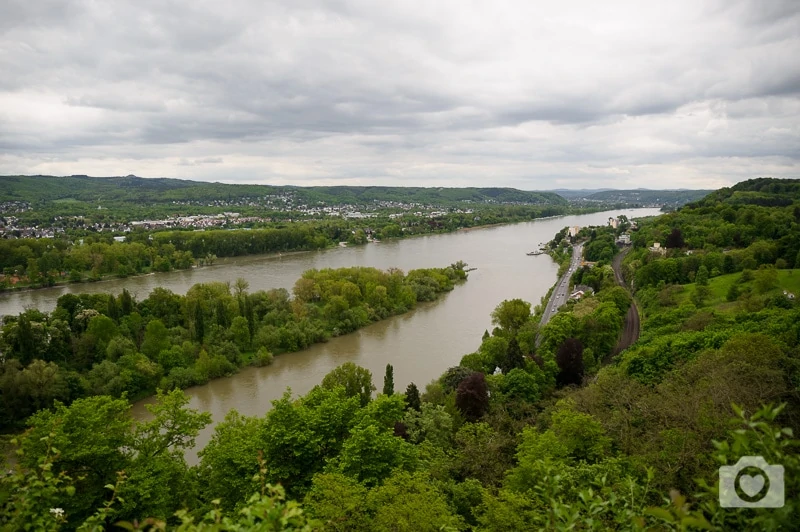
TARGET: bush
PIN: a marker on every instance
(262, 358)
(179, 378)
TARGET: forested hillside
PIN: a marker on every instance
(751, 225)
(76, 192)
(556, 434)
(671, 198)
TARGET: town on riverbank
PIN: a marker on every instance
(76, 229)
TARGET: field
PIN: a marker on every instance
(719, 286)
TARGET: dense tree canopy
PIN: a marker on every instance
(89, 345)
(488, 446)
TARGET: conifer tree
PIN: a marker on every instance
(388, 380)
(412, 398)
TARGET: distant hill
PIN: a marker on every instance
(137, 191)
(578, 194)
(426, 195)
(643, 197)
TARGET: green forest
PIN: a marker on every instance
(671, 198)
(641, 197)
(37, 189)
(539, 429)
(101, 344)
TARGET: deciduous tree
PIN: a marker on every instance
(570, 362)
(472, 397)
(356, 381)
(512, 314)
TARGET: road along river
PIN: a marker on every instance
(420, 344)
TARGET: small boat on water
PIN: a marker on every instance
(534, 252)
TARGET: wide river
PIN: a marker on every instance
(420, 344)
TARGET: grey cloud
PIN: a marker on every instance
(199, 162)
(398, 89)
(767, 13)
(41, 13)
(117, 102)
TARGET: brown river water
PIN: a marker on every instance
(420, 344)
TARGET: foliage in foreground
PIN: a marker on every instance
(567, 477)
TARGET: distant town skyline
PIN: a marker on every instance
(529, 95)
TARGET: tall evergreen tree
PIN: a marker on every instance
(112, 310)
(222, 314)
(25, 341)
(250, 315)
(513, 356)
(199, 324)
(388, 380)
(412, 398)
(126, 302)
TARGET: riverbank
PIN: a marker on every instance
(151, 252)
(112, 277)
(486, 226)
(273, 270)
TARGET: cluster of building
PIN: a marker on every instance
(432, 214)
(199, 221)
(12, 231)
(13, 207)
(270, 200)
(287, 202)
(10, 227)
(372, 210)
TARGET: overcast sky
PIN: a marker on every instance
(522, 93)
